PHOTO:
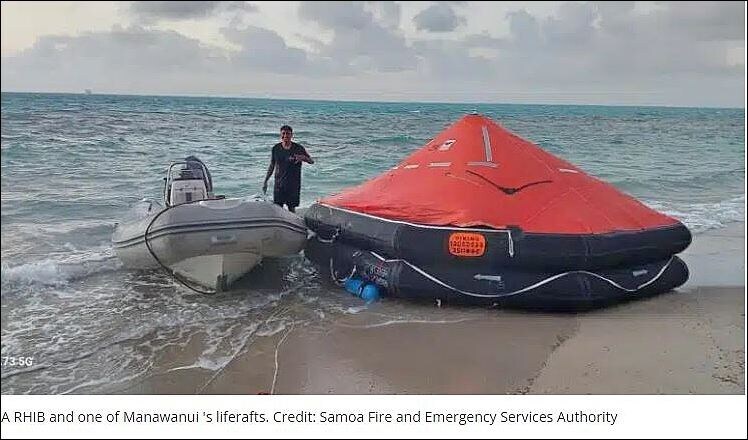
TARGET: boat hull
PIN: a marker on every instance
(218, 271)
(211, 242)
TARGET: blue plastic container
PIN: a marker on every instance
(367, 291)
(370, 293)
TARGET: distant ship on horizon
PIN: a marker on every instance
(88, 92)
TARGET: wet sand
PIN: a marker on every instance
(689, 341)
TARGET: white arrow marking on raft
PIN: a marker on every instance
(487, 148)
(483, 164)
(487, 144)
(488, 277)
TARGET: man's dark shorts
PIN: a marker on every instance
(283, 196)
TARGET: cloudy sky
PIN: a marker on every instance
(627, 53)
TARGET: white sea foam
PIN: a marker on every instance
(45, 272)
(699, 217)
(355, 310)
(406, 322)
(60, 269)
(270, 329)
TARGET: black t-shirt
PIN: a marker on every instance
(287, 173)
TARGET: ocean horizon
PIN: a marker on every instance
(366, 101)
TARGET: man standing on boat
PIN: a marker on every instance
(285, 160)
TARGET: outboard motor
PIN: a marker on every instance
(193, 182)
(200, 170)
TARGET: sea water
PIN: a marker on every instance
(72, 165)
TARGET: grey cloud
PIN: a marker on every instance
(438, 17)
(372, 49)
(265, 50)
(388, 13)
(612, 42)
(591, 50)
(692, 21)
(153, 11)
(359, 43)
(336, 15)
(451, 61)
(573, 26)
(616, 17)
(132, 47)
(482, 40)
(142, 60)
(525, 29)
(177, 10)
(123, 59)
(316, 44)
(678, 40)
(706, 21)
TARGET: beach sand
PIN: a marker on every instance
(689, 341)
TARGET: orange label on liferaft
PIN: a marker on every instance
(467, 244)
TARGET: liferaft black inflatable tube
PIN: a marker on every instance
(511, 247)
(566, 290)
